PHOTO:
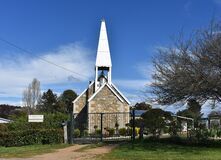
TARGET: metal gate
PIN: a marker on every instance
(95, 127)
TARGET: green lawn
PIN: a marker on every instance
(161, 151)
(28, 151)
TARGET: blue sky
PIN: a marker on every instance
(66, 32)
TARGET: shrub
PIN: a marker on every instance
(123, 131)
(166, 130)
(155, 120)
(219, 133)
(29, 137)
(98, 132)
(51, 121)
(212, 133)
(3, 127)
(199, 134)
(137, 130)
(129, 131)
(95, 127)
(21, 132)
(77, 133)
(85, 133)
(111, 131)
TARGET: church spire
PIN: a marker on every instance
(103, 60)
(103, 51)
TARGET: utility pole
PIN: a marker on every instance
(133, 124)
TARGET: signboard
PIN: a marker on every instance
(35, 118)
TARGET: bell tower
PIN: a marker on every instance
(103, 63)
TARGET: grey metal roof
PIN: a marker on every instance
(138, 113)
(6, 120)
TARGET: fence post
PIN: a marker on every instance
(102, 127)
(133, 124)
(71, 127)
(65, 129)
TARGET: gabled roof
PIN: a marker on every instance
(121, 94)
(103, 52)
(83, 92)
(118, 95)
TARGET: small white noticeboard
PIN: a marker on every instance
(35, 118)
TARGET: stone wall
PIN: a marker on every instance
(82, 100)
(81, 109)
(107, 102)
(80, 103)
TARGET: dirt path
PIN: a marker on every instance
(75, 152)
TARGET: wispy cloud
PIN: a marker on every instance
(145, 69)
(217, 2)
(134, 97)
(137, 84)
(135, 88)
(187, 7)
(18, 72)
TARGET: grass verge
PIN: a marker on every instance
(29, 151)
(161, 151)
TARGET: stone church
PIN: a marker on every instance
(101, 96)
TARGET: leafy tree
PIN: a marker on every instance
(189, 68)
(142, 106)
(193, 111)
(48, 102)
(66, 99)
(155, 120)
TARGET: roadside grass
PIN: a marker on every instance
(29, 151)
(161, 151)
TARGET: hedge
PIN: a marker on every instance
(77, 133)
(123, 131)
(30, 137)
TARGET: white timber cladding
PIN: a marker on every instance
(103, 52)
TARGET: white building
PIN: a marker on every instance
(3, 120)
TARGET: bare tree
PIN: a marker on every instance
(35, 88)
(31, 95)
(190, 68)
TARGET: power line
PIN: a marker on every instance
(42, 59)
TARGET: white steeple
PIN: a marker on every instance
(103, 51)
(103, 60)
